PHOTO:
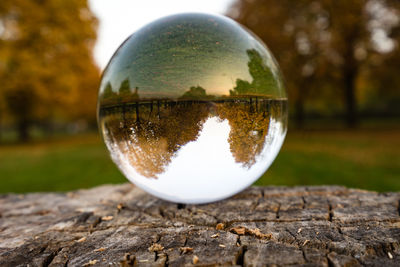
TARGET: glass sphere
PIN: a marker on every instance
(192, 108)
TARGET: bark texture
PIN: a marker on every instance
(262, 226)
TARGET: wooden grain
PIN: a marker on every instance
(262, 226)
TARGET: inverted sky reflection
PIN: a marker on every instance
(207, 165)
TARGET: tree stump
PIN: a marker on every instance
(262, 226)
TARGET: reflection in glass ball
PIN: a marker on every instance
(192, 108)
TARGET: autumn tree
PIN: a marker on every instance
(322, 46)
(384, 67)
(289, 29)
(149, 143)
(46, 62)
(247, 137)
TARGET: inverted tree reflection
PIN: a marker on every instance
(249, 124)
(149, 134)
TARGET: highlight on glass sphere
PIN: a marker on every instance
(192, 108)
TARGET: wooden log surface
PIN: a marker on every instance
(262, 226)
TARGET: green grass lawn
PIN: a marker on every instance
(363, 159)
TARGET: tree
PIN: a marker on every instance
(242, 87)
(348, 28)
(125, 88)
(322, 46)
(150, 143)
(263, 80)
(195, 92)
(248, 131)
(289, 29)
(108, 96)
(384, 81)
(46, 62)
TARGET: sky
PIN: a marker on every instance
(118, 19)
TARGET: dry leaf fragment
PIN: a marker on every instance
(238, 230)
(128, 259)
(305, 242)
(155, 247)
(83, 239)
(390, 255)
(256, 232)
(299, 231)
(215, 236)
(220, 226)
(222, 246)
(185, 250)
(99, 249)
(92, 262)
(107, 218)
(195, 259)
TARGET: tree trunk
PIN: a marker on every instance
(23, 129)
(351, 105)
(350, 70)
(20, 103)
(299, 108)
(262, 226)
(1, 127)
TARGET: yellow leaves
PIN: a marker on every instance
(151, 142)
(248, 131)
(50, 57)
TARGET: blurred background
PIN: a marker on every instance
(340, 59)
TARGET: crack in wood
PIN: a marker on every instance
(330, 262)
(51, 257)
(304, 255)
(304, 202)
(83, 217)
(277, 211)
(330, 211)
(398, 207)
(240, 258)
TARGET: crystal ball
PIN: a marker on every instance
(192, 108)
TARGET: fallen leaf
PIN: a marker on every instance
(215, 236)
(195, 259)
(238, 230)
(185, 250)
(220, 226)
(83, 239)
(107, 218)
(155, 247)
